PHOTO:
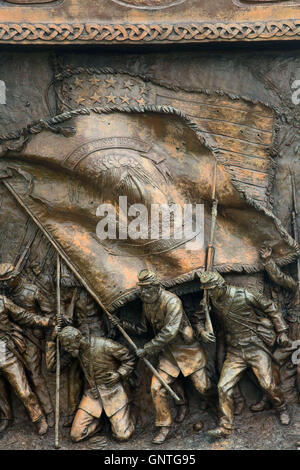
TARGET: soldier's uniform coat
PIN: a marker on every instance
(178, 350)
(13, 347)
(30, 297)
(102, 356)
(245, 318)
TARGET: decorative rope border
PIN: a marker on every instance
(131, 33)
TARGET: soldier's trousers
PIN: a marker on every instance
(236, 362)
(5, 406)
(84, 425)
(14, 372)
(163, 415)
(33, 363)
(75, 386)
(180, 392)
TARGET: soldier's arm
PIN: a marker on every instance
(278, 276)
(43, 302)
(126, 359)
(50, 357)
(270, 309)
(24, 318)
(198, 319)
(170, 329)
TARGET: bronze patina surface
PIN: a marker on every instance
(146, 21)
(104, 338)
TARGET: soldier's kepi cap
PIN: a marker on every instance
(147, 277)
(7, 271)
(210, 280)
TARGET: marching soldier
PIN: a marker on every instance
(13, 351)
(293, 313)
(286, 281)
(31, 298)
(249, 336)
(174, 340)
(105, 364)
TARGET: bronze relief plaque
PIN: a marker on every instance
(29, 2)
(266, 2)
(149, 4)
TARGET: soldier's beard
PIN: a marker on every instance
(150, 298)
(74, 352)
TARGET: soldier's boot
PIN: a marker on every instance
(198, 426)
(50, 419)
(4, 423)
(68, 421)
(163, 434)
(239, 405)
(203, 405)
(261, 405)
(182, 412)
(284, 417)
(219, 433)
(41, 426)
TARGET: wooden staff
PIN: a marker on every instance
(58, 326)
(85, 284)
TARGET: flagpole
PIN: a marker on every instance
(58, 326)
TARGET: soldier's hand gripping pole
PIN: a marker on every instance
(211, 250)
(58, 327)
(69, 263)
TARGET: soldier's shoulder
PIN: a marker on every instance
(106, 343)
(32, 288)
(166, 294)
(171, 299)
(251, 296)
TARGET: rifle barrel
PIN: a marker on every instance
(294, 221)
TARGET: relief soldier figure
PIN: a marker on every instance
(31, 298)
(83, 312)
(286, 281)
(105, 364)
(174, 340)
(12, 318)
(293, 314)
(249, 336)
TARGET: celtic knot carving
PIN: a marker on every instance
(92, 32)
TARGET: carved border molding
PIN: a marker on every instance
(148, 33)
